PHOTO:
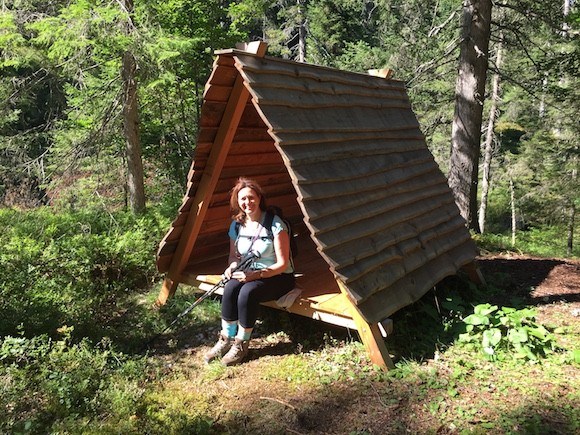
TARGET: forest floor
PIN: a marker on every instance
(451, 392)
(551, 285)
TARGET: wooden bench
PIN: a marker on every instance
(321, 299)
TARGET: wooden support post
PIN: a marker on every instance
(370, 335)
(213, 168)
(167, 290)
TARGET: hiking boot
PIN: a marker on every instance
(237, 352)
(219, 349)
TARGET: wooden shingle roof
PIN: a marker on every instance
(341, 152)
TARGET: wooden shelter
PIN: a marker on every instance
(342, 154)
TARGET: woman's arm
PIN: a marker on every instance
(282, 249)
(232, 260)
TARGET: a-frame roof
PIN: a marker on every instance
(341, 151)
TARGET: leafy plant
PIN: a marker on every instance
(46, 382)
(72, 268)
(500, 332)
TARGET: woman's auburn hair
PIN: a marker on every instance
(238, 214)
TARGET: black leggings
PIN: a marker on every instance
(240, 301)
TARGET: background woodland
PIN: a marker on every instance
(101, 99)
(99, 111)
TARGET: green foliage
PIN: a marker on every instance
(67, 268)
(360, 56)
(545, 241)
(45, 381)
(504, 332)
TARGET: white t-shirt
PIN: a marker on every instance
(262, 244)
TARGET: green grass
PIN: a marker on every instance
(546, 242)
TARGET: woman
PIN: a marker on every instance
(270, 277)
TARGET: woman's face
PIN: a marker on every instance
(248, 201)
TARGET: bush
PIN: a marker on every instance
(53, 384)
(71, 268)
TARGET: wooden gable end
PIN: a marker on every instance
(253, 154)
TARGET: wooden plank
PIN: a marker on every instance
(335, 185)
(268, 66)
(257, 48)
(206, 187)
(301, 306)
(288, 139)
(372, 275)
(341, 169)
(390, 154)
(242, 134)
(248, 147)
(223, 76)
(327, 96)
(266, 180)
(395, 261)
(345, 119)
(253, 171)
(258, 157)
(252, 119)
(163, 262)
(412, 287)
(474, 273)
(173, 234)
(212, 113)
(217, 93)
(362, 191)
(280, 81)
(372, 217)
(419, 228)
(334, 302)
(303, 154)
(370, 336)
(387, 217)
(206, 135)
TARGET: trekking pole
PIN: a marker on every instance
(244, 263)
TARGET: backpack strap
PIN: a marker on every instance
(268, 221)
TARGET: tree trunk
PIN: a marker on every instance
(542, 106)
(513, 209)
(135, 184)
(469, 98)
(489, 136)
(572, 217)
(301, 34)
(571, 221)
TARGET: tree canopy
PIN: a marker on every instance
(62, 140)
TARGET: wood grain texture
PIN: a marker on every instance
(344, 155)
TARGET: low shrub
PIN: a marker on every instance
(71, 268)
(504, 332)
(50, 384)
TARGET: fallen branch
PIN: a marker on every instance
(279, 401)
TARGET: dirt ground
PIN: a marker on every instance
(254, 399)
(549, 279)
(549, 284)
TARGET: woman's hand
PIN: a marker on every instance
(246, 276)
(228, 271)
